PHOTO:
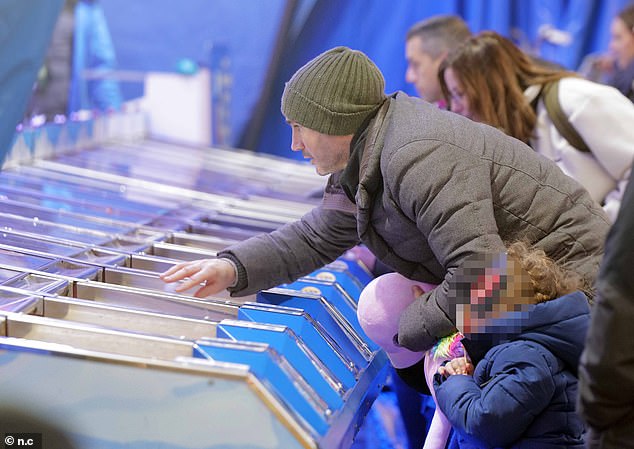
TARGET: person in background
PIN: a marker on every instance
(606, 372)
(617, 67)
(422, 188)
(427, 43)
(622, 49)
(489, 80)
(80, 42)
(535, 316)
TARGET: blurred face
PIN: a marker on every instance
(422, 70)
(488, 312)
(329, 154)
(621, 42)
(458, 101)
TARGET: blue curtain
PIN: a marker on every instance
(563, 31)
(25, 30)
(156, 35)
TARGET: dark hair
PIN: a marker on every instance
(627, 16)
(494, 73)
(440, 33)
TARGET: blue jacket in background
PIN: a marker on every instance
(523, 392)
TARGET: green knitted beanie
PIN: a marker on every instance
(334, 93)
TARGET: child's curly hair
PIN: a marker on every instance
(548, 279)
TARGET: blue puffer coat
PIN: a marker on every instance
(523, 392)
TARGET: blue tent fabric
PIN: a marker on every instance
(198, 30)
(92, 49)
(25, 31)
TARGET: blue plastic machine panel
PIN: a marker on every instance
(279, 376)
(349, 274)
(288, 344)
(312, 334)
(353, 268)
(304, 342)
(327, 315)
(338, 298)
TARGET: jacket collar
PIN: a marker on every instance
(350, 176)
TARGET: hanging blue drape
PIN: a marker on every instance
(378, 28)
(25, 31)
(92, 49)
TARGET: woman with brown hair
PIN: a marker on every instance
(490, 80)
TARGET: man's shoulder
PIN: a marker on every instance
(414, 119)
(401, 101)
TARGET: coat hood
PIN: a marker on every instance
(560, 325)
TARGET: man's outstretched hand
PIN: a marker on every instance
(212, 275)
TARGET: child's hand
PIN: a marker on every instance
(458, 365)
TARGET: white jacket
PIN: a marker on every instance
(605, 120)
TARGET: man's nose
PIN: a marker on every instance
(296, 142)
(297, 145)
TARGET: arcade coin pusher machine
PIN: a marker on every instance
(90, 337)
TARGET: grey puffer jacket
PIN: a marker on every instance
(434, 188)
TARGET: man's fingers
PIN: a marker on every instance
(186, 285)
(178, 272)
(209, 276)
(207, 280)
(207, 290)
(173, 269)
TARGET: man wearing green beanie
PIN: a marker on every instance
(422, 188)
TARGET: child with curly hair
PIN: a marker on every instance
(533, 316)
(521, 321)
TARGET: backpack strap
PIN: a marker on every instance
(560, 120)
